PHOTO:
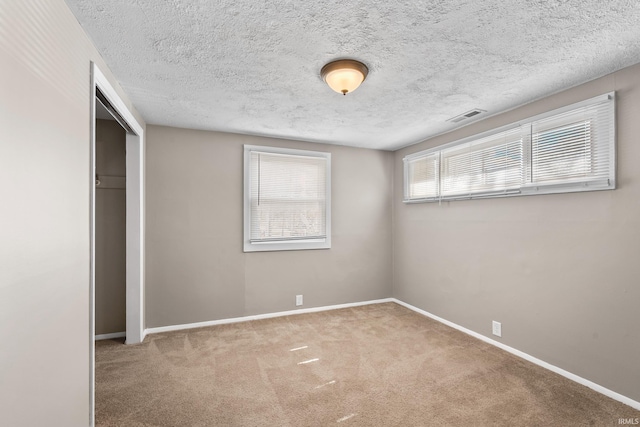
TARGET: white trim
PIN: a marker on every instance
(92, 250)
(135, 239)
(262, 316)
(110, 336)
(285, 151)
(573, 377)
(108, 90)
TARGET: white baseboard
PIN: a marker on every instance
(260, 316)
(600, 389)
(111, 336)
(596, 387)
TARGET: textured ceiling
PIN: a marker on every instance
(253, 67)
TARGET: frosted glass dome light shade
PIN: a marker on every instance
(344, 75)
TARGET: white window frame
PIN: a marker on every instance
(527, 187)
(284, 245)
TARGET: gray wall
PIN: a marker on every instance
(561, 272)
(44, 214)
(195, 267)
(111, 228)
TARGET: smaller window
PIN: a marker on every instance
(287, 202)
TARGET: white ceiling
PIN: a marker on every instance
(253, 67)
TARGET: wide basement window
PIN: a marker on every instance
(566, 150)
(287, 199)
(491, 165)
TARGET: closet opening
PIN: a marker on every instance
(110, 223)
(116, 186)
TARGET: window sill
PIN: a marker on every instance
(296, 245)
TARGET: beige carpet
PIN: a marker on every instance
(376, 365)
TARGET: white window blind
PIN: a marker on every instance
(573, 146)
(569, 149)
(286, 203)
(423, 177)
(483, 166)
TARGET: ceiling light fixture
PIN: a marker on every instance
(344, 75)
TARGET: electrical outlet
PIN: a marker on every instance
(497, 328)
(298, 299)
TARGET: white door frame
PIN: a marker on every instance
(135, 221)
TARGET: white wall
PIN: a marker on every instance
(44, 214)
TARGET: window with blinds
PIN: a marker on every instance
(491, 165)
(423, 177)
(287, 203)
(566, 150)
